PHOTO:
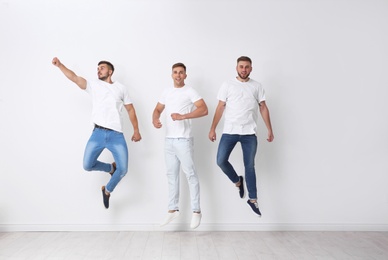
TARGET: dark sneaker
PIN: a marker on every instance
(241, 187)
(114, 168)
(105, 197)
(255, 207)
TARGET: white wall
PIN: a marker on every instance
(323, 65)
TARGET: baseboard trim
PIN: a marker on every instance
(202, 227)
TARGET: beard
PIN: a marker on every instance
(245, 77)
(102, 77)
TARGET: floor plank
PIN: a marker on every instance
(198, 245)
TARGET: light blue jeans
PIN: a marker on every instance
(115, 143)
(179, 152)
(249, 147)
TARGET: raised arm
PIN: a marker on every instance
(81, 82)
(156, 115)
(264, 111)
(199, 111)
(133, 118)
(216, 119)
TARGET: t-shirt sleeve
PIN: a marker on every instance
(194, 96)
(126, 98)
(222, 92)
(261, 93)
(162, 99)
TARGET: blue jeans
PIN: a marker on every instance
(249, 147)
(179, 152)
(115, 143)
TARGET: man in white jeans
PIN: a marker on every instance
(182, 103)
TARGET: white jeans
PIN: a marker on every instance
(179, 153)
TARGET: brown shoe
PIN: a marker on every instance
(114, 168)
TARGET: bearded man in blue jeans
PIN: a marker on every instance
(241, 99)
(108, 98)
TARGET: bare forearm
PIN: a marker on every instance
(68, 73)
(155, 115)
(81, 82)
(199, 112)
(133, 119)
(266, 118)
(156, 119)
(217, 117)
(216, 120)
(136, 137)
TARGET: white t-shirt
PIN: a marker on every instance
(242, 105)
(178, 100)
(108, 101)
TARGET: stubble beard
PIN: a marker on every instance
(241, 77)
(103, 77)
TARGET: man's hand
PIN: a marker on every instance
(176, 116)
(270, 136)
(136, 137)
(212, 135)
(157, 123)
(56, 62)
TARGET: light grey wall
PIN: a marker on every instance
(323, 65)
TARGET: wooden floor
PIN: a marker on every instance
(194, 245)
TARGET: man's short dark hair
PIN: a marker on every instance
(179, 64)
(244, 58)
(110, 65)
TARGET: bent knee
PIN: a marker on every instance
(221, 162)
(121, 172)
(88, 167)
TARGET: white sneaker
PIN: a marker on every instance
(170, 217)
(195, 220)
